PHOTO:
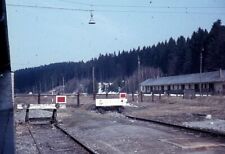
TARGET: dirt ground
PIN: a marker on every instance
(168, 109)
(130, 136)
(179, 110)
(114, 133)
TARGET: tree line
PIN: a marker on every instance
(171, 57)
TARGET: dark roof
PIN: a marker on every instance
(188, 78)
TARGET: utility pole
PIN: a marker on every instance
(40, 87)
(63, 85)
(138, 77)
(93, 81)
(39, 93)
(52, 84)
(52, 91)
(200, 89)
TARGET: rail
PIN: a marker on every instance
(212, 133)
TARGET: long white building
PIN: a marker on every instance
(211, 82)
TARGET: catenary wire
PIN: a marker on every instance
(145, 6)
(107, 10)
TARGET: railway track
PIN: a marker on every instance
(196, 130)
(53, 139)
(36, 144)
(75, 140)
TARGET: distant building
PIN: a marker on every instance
(211, 82)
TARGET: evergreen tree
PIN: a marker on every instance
(172, 57)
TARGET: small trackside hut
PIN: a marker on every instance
(206, 83)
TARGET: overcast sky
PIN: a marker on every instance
(40, 36)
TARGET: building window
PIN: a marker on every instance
(196, 87)
(162, 88)
(168, 87)
(211, 87)
(182, 86)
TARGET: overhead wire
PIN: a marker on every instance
(47, 7)
(145, 6)
(102, 5)
(107, 10)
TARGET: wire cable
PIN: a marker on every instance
(145, 6)
(117, 11)
(48, 7)
(104, 5)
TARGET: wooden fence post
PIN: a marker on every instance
(132, 96)
(94, 95)
(54, 116)
(78, 99)
(39, 97)
(27, 114)
(152, 96)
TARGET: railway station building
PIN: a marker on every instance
(210, 82)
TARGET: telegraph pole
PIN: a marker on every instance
(93, 81)
(138, 77)
(63, 84)
(200, 89)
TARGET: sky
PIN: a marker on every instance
(49, 31)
